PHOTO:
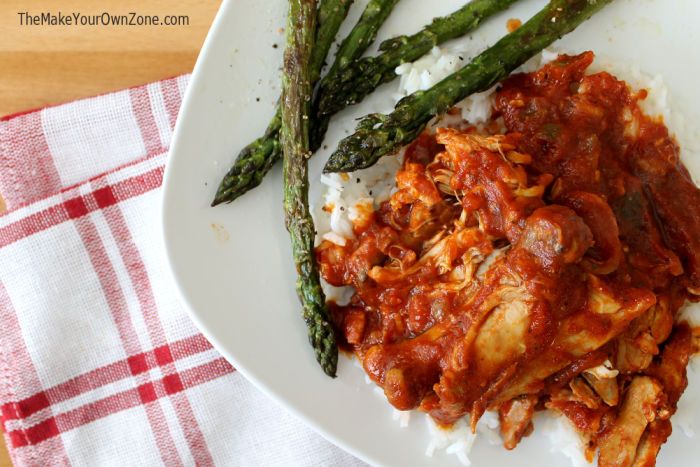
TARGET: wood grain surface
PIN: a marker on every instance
(44, 65)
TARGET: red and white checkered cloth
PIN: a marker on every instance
(99, 365)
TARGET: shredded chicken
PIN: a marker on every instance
(516, 419)
(618, 445)
(540, 268)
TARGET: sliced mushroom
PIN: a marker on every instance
(583, 393)
(604, 383)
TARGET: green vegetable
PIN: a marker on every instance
(294, 136)
(352, 48)
(378, 134)
(345, 85)
(254, 161)
(352, 84)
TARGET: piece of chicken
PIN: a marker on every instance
(516, 419)
(493, 330)
(513, 318)
(618, 445)
(671, 366)
(607, 313)
(654, 436)
(488, 176)
(636, 347)
(469, 244)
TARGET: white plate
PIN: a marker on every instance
(232, 264)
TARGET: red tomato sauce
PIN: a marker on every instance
(591, 225)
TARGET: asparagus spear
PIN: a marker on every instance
(353, 83)
(378, 134)
(352, 48)
(254, 161)
(294, 136)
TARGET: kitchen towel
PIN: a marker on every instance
(99, 364)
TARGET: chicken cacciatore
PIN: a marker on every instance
(538, 263)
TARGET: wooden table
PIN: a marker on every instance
(46, 65)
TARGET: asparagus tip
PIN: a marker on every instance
(333, 165)
(328, 359)
(329, 368)
(345, 158)
(219, 198)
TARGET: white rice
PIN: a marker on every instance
(343, 193)
(563, 438)
(458, 440)
(403, 416)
